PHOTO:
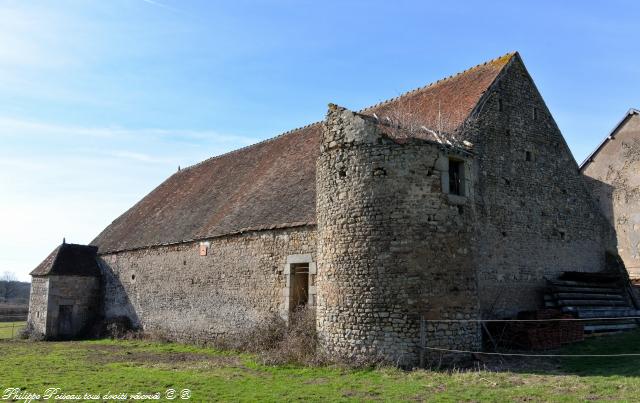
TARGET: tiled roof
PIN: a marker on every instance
(69, 259)
(272, 184)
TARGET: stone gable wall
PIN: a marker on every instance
(535, 217)
(392, 247)
(614, 175)
(175, 292)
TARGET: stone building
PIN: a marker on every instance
(65, 292)
(613, 171)
(455, 200)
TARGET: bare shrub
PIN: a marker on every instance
(276, 342)
(29, 333)
(299, 342)
(265, 336)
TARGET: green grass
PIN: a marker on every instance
(140, 366)
(10, 329)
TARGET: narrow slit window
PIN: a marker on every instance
(528, 156)
(456, 177)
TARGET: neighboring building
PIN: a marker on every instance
(613, 171)
(455, 200)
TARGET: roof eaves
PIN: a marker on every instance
(209, 237)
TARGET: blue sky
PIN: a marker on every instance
(102, 100)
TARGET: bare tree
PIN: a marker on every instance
(405, 119)
(8, 286)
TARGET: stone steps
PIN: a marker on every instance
(593, 295)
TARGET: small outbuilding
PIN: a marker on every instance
(65, 291)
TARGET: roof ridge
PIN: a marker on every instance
(440, 81)
(267, 140)
(384, 102)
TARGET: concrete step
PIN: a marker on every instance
(570, 296)
(607, 290)
(593, 303)
(608, 328)
(611, 312)
(566, 283)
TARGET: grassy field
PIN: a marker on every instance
(10, 329)
(137, 366)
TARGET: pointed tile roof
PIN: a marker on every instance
(69, 259)
(272, 184)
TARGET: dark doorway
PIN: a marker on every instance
(65, 321)
(299, 286)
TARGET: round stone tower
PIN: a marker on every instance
(392, 248)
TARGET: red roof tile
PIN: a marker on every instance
(272, 183)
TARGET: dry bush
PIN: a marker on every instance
(29, 333)
(299, 341)
(275, 342)
(264, 336)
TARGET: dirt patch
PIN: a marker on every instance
(112, 354)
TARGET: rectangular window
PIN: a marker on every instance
(528, 156)
(456, 177)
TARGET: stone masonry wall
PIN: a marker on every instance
(83, 293)
(392, 247)
(176, 292)
(38, 304)
(614, 174)
(535, 216)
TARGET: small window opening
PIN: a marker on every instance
(299, 286)
(456, 177)
(342, 173)
(460, 209)
(535, 113)
(379, 172)
(528, 156)
(133, 277)
(562, 235)
(500, 106)
(508, 132)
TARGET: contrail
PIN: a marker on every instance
(157, 4)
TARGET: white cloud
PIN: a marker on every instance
(70, 180)
(36, 37)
